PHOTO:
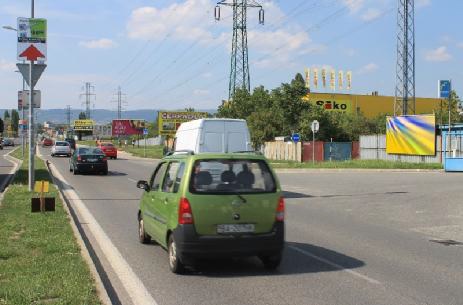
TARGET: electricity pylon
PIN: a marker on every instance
(405, 69)
(239, 72)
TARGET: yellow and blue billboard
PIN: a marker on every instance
(411, 135)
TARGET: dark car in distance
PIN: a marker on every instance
(8, 142)
(87, 159)
(72, 142)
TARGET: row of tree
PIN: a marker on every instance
(283, 111)
(10, 118)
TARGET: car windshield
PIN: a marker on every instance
(90, 151)
(61, 144)
(241, 176)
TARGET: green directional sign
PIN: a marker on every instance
(32, 39)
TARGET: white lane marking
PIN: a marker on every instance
(132, 180)
(132, 284)
(323, 260)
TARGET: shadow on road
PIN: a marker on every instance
(306, 258)
(295, 195)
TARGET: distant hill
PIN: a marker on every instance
(101, 116)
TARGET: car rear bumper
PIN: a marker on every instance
(67, 153)
(192, 245)
(92, 167)
(110, 153)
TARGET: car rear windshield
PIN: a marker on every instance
(61, 144)
(107, 144)
(227, 176)
(90, 151)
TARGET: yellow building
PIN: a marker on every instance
(370, 105)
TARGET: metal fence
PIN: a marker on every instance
(373, 147)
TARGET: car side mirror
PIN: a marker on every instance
(142, 184)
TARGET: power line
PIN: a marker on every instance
(121, 101)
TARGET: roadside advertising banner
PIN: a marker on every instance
(83, 125)
(307, 78)
(349, 80)
(340, 79)
(333, 80)
(315, 77)
(126, 127)
(168, 122)
(411, 135)
(324, 78)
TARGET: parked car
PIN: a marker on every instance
(47, 142)
(8, 142)
(109, 149)
(72, 142)
(213, 205)
(88, 159)
(61, 148)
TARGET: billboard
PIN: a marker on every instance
(83, 125)
(411, 135)
(169, 121)
(125, 127)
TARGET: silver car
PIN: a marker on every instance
(61, 148)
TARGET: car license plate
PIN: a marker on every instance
(92, 160)
(235, 228)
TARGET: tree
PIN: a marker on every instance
(189, 109)
(82, 116)
(14, 120)
(2, 126)
(442, 113)
(6, 115)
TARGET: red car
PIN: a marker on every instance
(109, 149)
(47, 142)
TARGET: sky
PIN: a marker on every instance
(173, 54)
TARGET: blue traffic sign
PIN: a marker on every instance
(145, 131)
(445, 86)
(295, 137)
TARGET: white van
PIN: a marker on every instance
(213, 136)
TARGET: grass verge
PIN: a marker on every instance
(367, 164)
(40, 261)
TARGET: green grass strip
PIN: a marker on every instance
(40, 260)
(366, 164)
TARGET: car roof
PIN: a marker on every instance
(237, 155)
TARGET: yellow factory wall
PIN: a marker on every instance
(370, 105)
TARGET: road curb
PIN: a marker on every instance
(100, 288)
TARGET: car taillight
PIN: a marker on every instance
(185, 215)
(79, 158)
(280, 214)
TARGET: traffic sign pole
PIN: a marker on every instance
(31, 132)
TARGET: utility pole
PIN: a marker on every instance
(405, 78)
(239, 72)
(89, 93)
(121, 101)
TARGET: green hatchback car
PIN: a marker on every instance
(213, 205)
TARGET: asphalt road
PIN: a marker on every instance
(352, 238)
(5, 167)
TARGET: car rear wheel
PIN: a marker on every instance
(142, 236)
(175, 265)
(75, 171)
(271, 262)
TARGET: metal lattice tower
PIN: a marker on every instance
(68, 115)
(405, 78)
(120, 102)
(89, 93)
(239, 72)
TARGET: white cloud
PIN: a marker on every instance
(422, 3)
(354, 5)
(103, 43)
(200, 92)
(368, 68)
(438, 55)
(371, 14)
(192, 20)
(6, 66)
